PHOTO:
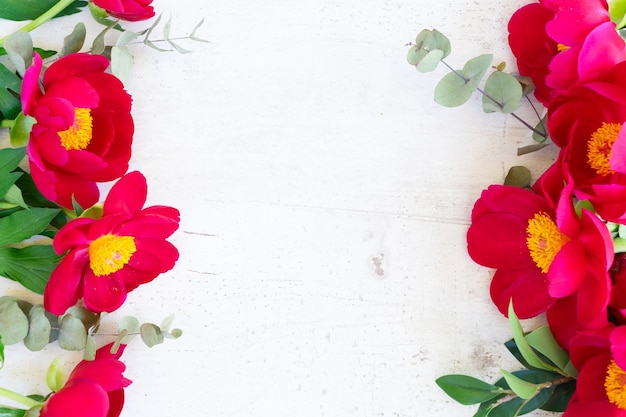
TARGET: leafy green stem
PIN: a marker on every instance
(49, 14)
(22, 399)
(496, 102)
(7, 124)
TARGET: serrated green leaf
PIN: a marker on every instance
(24, 224)
(518, 176)
(19, 10)
(20, 132)
(19, 48)
(13, 323)
(38, 330)
(467, 390)
(522, 344)
(151, 334)
(521, 388)
(121, 63)
(75, 40)
(503, 93)
(55, 377)
(457, 87)
(72, 333)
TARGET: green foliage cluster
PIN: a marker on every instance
(547, 382)
(502, 92)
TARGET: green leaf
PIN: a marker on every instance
(34, 411)
(89, 353)
(503, 93)
(31, 266)
(431, 46)
(75, 40)
(10, 85)
(20, 132)
(121, 63)
(430, 61)
(193, 35)
(19, 48)
(39, 329)
(12, 412)
(7, 181)
(14, 195)
(89, 319)
(531, 148)
(11, 158)
(72, 334)
(1, 352)
(13, 322)
(55, 377)
(617, 12)
(25, 224)
(541, 127)
(523, 389)
(467, 390)
(173, 334)
(179, 48)
(131, 326)
(166, 324)
(522, 344)
(560, 397)
(151, 334)
(518, 176)
(19, 10)
(457, 87)
(543, 341)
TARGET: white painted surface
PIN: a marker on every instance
(325, 199)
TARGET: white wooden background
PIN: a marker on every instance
(325, 199)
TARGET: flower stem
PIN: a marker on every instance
(49, 14)
(14, 396)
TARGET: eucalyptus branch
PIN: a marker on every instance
(496, 102)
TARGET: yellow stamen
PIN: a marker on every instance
(78, 136)
(615, 385)
(110, 253)
(544, 240)
(600, 146)
(561, 48)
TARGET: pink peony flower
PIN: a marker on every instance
(109, 257)
(131, 10)
(540, 255)
(93, 389)
(84, 128)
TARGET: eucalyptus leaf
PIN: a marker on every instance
(467, 390)
(75, 40)
(121, 63)
(503, 93)
(20, 132)
(24, 224)
(430, 61)
(19, 48)
(39, 329)
(151, 334)
(456, 87)
(179, 48)
(19, 10)
(13, 323)
(131, 326)
(530, 148)
(518, 176)
(89, 353)
(193, 35)
(166, 324)
(72, 333)
(540, 134)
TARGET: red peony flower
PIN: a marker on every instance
(587, 38)
(93, 389)
(131, 10)
(109, 257)
(540, 255)
(532, 46)
(84, 128)
(601, 382)
(587, 123)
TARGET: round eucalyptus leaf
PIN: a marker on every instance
(151, 334)
(75, 40)
(503, 93)
(518, 176)
(13, 323)
(457, 87)
(72, 333)
(430, 61)
(39, 329)
(129, 325)
(19, 48)
(89, 353)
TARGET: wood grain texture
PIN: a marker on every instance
(325, 199)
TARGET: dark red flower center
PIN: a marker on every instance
(110, 253)
(615, 385)
(600, 147)
(544, 240)
(78, 136)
